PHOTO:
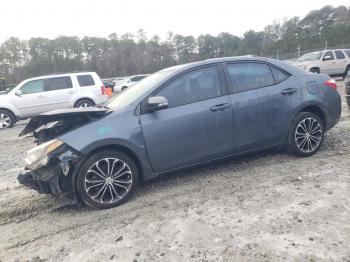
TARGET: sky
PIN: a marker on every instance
(51, 18)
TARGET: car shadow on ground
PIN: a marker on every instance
(172, 179)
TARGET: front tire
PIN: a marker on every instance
(306, 134)
(7, 119)
(107, 179)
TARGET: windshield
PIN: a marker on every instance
(129, 95)
(311, 56)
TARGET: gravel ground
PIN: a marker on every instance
(267, 207)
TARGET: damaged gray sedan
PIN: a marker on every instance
(178, 118)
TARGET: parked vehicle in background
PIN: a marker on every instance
(347, 89)
(46, 93)
(127, 82)
(4, 87)
(177, 118)
(331, 62)
(108, 84)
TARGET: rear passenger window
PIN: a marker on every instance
(279, 75)
(248, 76)
(85, 80)
(339, 54)
(58, 83)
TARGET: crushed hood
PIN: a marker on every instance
(51, 124)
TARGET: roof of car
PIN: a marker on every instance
(283, 65)
(59, 74)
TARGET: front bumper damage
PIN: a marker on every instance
(57, 176)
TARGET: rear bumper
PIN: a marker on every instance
(333, 111)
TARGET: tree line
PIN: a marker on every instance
(130, 54)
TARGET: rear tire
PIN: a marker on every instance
(7, 119)
(306, 134)
(107, 179)
(84, 103)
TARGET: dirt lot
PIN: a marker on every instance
(266, 207)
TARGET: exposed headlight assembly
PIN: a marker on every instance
(38, 156)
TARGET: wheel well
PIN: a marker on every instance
(315, 68)
(85, 98)
(125, 150)
(8, 110)
(317, 111)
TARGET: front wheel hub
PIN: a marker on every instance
(108, 180)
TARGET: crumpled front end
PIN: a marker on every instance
(52, 163)
(54, 175)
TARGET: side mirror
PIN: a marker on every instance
(18, 92)
(157, 102)
(327, 57)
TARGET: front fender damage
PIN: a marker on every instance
(57, 176)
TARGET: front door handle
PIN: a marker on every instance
(220, 107)
(288, 91)
(41, 96)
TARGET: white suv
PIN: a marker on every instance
(45, 93)
(331, 62)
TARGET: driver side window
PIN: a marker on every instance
(196, 85)
(31, 87)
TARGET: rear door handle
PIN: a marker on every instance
(288, 91)
(41, 96)
(70, 92)
(220, 107)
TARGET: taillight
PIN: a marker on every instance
(103, 90)
(331, 83)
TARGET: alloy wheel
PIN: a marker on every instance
(5, 121)
(308, 135)
(108, 180)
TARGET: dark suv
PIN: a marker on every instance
(178, 118)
